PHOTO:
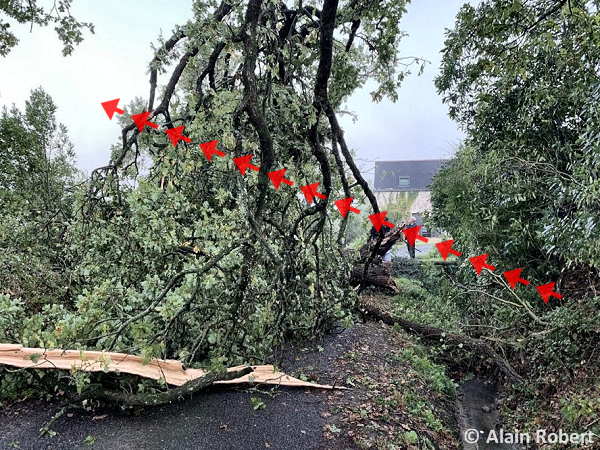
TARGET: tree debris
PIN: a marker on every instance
(170, 370)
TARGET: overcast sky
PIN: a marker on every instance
(113, 62)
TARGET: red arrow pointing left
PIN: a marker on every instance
(412, 234)
(277, 178)
(243, 164)
(141, 120)
(111, 107)
(310, 192)
(513, 278)
(547, 291)
(176, 134)
(479, 263)
(344, 206)
(210, 148)
(378, 220)
(445, 248)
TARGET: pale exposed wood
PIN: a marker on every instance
(171, 370)
(268, 375)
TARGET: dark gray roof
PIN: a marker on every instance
(399, 176)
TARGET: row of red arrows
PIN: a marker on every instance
(243, 163)
(512, 276)
(310, 192)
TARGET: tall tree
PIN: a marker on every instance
(37, 173)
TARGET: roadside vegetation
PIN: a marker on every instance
(400, 398)
(188, 259)
(522, 80)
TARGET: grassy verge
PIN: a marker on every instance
(400, 399)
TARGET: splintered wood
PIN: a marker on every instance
(170, 370)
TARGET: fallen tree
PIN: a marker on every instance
(434, 333)
(377, 274)
(388, 241)
(188, 381)
(99, 392)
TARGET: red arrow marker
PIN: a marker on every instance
(243, 163)
(210, 148)
(277, 178)
(546, 291)
(513, 278)
(344, 206)
(310, 192)
(412, 234)
(176, 134)
(479, 263)
(378, 220)
(445, 248)
(141, 120)
(111, 108)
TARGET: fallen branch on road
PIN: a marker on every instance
(169, 370)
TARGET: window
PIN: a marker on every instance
(403, 181)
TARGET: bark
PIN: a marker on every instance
(378, 275)
(436, 334)
(386, 244)
(161, 398)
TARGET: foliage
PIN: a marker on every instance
(257, 403)
(36, 170)
(522, 80)
(428, 303)
(219, 267)
(68, 29)
(169, 255)
(433, 374)
(90, 440)
(399, 206)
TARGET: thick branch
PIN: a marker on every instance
(161, 398)
(320, 100)
(250, 100)
(449, 338)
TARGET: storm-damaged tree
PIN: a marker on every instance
(181, 257)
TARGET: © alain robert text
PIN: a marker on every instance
(539, 437)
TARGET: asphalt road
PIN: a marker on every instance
(216, 419)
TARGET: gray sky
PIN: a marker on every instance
(112, 63)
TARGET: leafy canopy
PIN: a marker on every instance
(68, 29)
(522, 78)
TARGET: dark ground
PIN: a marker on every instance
(218, 418)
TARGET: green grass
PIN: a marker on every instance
(433, 374)
(417, 304)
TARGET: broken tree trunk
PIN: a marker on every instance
(437, 334)
(388, 241)
(169, 370)
(122, 398)
(378, 274)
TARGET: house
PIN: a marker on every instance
(408, 180)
